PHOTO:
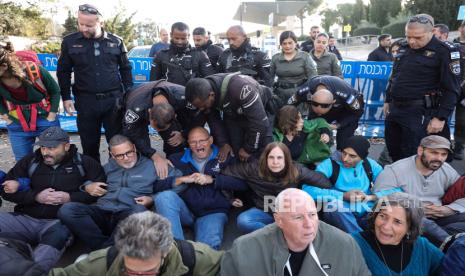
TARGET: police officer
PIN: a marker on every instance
(423, 88)
(203, 42)
(101, 74)
(459, 130)
(342, 113)
(180, 62)
(245, 125)
(242, 57)
(174, 117)
(308, 45)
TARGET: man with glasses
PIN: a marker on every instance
(102, 73)
(144, 246)
(423, 89)
(131, 182)
(200, 205)
(334, 100)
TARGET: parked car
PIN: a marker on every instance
(140, 51)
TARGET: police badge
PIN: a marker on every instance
(455, 67)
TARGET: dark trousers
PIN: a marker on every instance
(237, 133)
(93, 113)
(437, 230)
(459, 133)
(93, 225)
(405, 126)
(345, 131)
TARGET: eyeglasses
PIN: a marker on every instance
(421, 20)
(323, 105)
(96, 49)
(121, 156)
(200, 142)
(151, 272)
(91, 10)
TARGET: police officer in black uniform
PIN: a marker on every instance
(102, 73)
(180, 62)
(242, 57)
(459, 130)
(245, 125)
(345, 111)
(203, 42)
(173, 128)
(423, 89)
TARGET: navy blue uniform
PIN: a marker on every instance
(136, 117)
(432, 70)
(345, 112)
(101, 73)
(249, 61)
(179, 65)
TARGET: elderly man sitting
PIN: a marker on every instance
(426, 176)
(296, 244)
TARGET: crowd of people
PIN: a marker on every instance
(267, 151)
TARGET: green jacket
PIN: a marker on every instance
(327, 64)
(33, 96)
(265, 252)
(207, 264)
(314, 150)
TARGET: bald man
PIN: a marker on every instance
(162, 44)
(242, 57)
(296, 244)
(423, 89)
(334, 100)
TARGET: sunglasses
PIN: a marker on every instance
(85, 8)
(323, 105)
(421, 20)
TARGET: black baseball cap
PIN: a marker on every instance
(52, 137)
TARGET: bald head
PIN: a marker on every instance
(198, 131)
(323, 96)
(291, 199)
(164, 35)
(236, 36)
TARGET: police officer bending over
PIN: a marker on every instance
(180, 62)
(202, 42)
(101, 67)
(423, 89)
(242, 101)
(242, 57)
(341, 110)
(163, 105)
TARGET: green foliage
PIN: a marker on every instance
(367, 31)
(443, 11)
(311, 6)
(381, 10)
(70, 25)
(396, 29)
(147, 32)
(330, 17)
(47, 48)
(17, 20)
(122, 26)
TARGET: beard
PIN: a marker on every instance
(430, 164)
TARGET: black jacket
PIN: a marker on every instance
(379, 54)
(307, 46)
(136, 117)
(65, 177)
(260, 187)
(245, 101)
(100, 65)
(348, 100)
(249, 61)
(213, 52)
(179, 66)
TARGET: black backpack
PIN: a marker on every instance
(185, 248)
(77, 160)
(366, 166)
(16, 259)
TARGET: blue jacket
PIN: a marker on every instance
(454, 260)
(202, 200)
(126, 184)
(349, 179)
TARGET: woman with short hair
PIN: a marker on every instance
(392, 245)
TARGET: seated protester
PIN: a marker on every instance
(334, 100)
(199, 205)
(56, 171)
(352, 177)
(454, 259)
(140, 106)
(267, 177)
(129, 189)
(296, 244)
(306, 139)
(144, 245)
(426, 176)
(392, 244)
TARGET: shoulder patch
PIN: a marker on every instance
(245, 91)
(455, 55)
(455, 67)
(451, 46)
(130, 117)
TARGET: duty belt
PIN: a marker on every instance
(287, 85)
(405, 103)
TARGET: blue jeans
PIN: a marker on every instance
(93, 225)
(22, 142)
(345, 220)
(253, 219)
(208, 228)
